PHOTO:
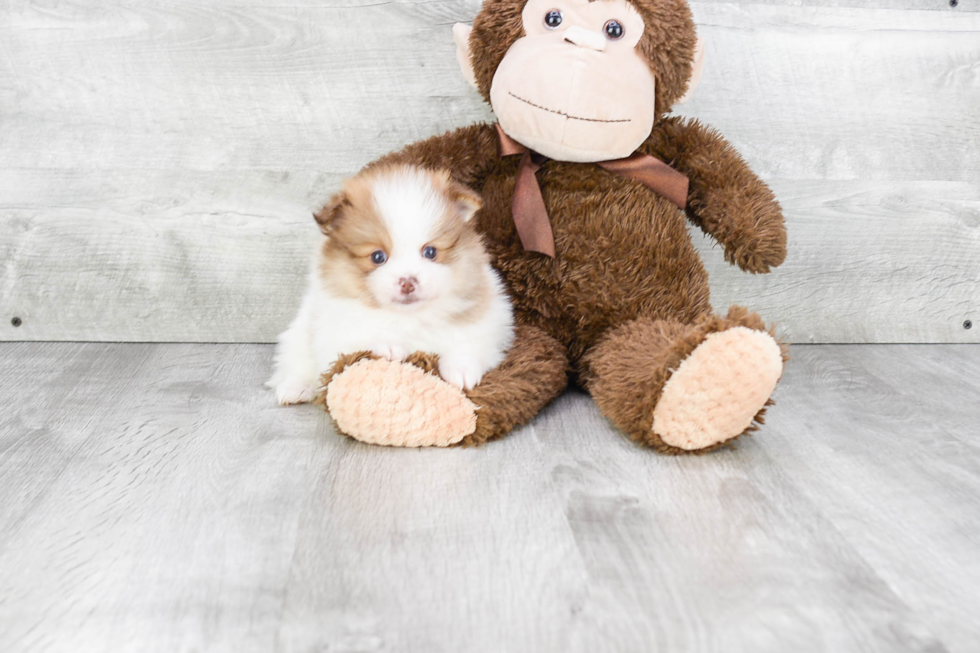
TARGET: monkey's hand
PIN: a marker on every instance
(726, 199)
(746, 221)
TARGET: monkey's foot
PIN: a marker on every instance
(719, 389)
(395, 404)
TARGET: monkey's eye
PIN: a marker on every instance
(614, 30)
(552, 19)
(429, 252)
(379, 257)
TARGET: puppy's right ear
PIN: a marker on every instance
(329, 214)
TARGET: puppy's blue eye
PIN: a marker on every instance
(552, 19)
(379, 257)
(429, 252)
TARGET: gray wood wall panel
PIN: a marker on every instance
(922, 5)
(158, 162)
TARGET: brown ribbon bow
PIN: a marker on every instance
(530, 214)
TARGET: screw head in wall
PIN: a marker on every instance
(16, 321)
(968, 324)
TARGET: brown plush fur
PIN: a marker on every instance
(612, 233)
(626, 297)
(727, 201)
(535, 372)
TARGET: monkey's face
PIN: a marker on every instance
(574, 87)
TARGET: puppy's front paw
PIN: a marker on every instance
(294, 392)
(389, 352)
(460, 372)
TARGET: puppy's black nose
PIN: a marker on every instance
(408, 285)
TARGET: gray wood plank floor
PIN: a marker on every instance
(153, 498)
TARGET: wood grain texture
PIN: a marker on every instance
(169, 534)
(153, 498)
(158, 164)
(920, 5)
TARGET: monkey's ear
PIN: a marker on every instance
(461, 32)
(696, 71)
(328, 215)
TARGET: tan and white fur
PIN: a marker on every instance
(401, 269)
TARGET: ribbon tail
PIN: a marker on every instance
(530, 213)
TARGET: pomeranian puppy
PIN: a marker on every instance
(401, 269)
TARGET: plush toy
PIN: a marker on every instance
(586, 183)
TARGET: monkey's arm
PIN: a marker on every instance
(463, 152)
(726, 199)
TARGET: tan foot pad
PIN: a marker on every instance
(399, 405)
(719, 389)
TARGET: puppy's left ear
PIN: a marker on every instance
(327, 216)
(466, 201)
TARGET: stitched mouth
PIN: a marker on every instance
(562, 113)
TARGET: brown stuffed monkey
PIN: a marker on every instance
(586, 224)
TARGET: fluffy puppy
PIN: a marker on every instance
(401, 269)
